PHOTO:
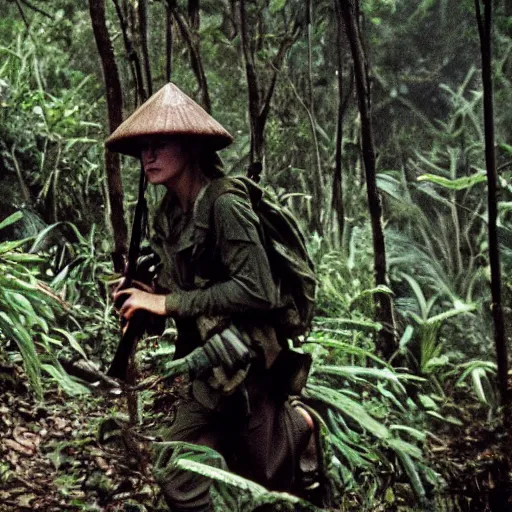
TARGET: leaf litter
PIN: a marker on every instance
(51, 458)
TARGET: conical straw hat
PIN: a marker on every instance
(168, 112)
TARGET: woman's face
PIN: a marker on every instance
(164, 160)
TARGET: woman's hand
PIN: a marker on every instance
(136, 299)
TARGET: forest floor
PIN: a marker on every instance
(51, 457)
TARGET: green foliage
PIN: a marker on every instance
(28, 315)
(49, 136)
(370, 417)
(427, 103)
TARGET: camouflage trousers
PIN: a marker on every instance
(256, 432)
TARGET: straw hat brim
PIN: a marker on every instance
(169, 112)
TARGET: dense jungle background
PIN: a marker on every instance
(368, 121)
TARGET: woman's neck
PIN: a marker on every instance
(187, 186)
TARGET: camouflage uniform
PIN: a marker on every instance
(222, 271)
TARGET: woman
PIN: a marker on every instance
(215, 278)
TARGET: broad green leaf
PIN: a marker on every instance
(15, 217)
(456, 184)
(27, 348)
(390, 186)
(505, 206)
(427, 402)
(400, 445)
(477, 376)
(460, 308)
(412, 473)
(7, 247)
(23, 303)
(42, 235)
(345, 347)
(68, 385)
(420, 435)
(506, 147)
(50, 340)
(446, 419)
(349, 407)
(72, 341)
(357, 324)
(406, 336)
(19, 257)
(358, 371)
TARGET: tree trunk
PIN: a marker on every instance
(168, 43)
(143, 28)
(318, 185)
(192, 41)
(259, 100)
(337, 204)
(253, 88)
(132, 55)
(193, 14)
(485, 33)
(114, 97)
(387, 340)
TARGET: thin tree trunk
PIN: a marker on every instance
(193, 14)
(318, 186)
(168, 43)
(133, 57)
(485, 33)
(253, 88)
(387, 341)
(259, 101)
(337, 203)
(115, 116)
(192, 42)
(143, 28)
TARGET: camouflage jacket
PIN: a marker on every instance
(217, 268)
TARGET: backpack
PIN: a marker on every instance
(290, 264)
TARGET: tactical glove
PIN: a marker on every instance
(226, 356)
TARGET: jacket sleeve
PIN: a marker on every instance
(250, 285)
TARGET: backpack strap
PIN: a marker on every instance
(241, 186)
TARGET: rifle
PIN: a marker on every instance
(137, 324)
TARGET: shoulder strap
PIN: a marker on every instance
(212, 192)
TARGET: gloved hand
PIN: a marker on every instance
(228, 355)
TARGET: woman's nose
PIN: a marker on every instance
(149, 154)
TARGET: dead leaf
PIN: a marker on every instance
(102, 463)
(59, 423)
(25, 438)
(25, 499)
(17, 447)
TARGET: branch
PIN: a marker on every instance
(250, 67)
(36, 9)
(195, 58)
(276, 65)
(132, 55)
(143, 27)
(22, 14)
(168, 42)
(479, 21)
